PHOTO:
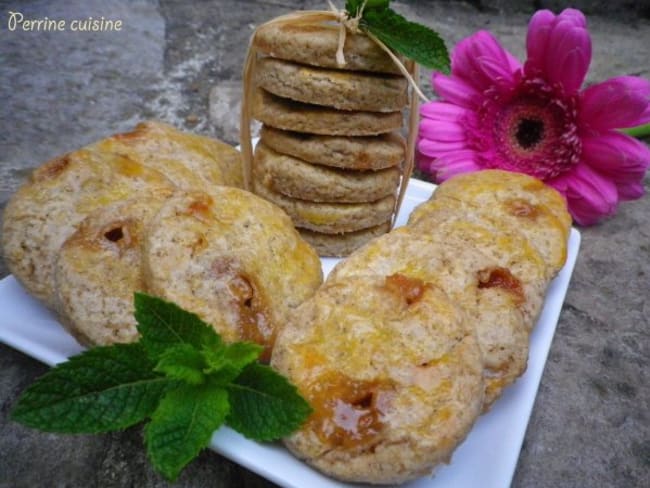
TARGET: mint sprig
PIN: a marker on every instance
(414, 41)
(180, 377)
(103, 389)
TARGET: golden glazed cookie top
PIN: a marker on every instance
(233, 259)
(191, 161)
(519, 202)
(107, 243)
(526, 195)
(45, 211)
(393, 373)
(457, 267)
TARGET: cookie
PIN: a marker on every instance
(342, 90)
(479, 187)
(189, 160)
(520, 269)
(393, 372)
(535, 209)
(46, 210)
(340, 245)
(298, 179)
(98, 270)
(286, 114)
(232, 258)
(329, 218)
(456, 267)
(316, 43)
(358, 153)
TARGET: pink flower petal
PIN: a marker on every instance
(539, 27)
(644, 118)
(590, 196)
(630, 191)
(513, 63)
(616, 103)
(482, 62)
(438, 148)
(447, 166)
(442, 131)
(498, 71)
(621, 158)
(568, 55)
(574, 16)
(454, 90)
(558, 48)
(462, 62)
(423, 162)
(444, 111)
(616, 154)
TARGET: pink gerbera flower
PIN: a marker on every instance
(495, 113)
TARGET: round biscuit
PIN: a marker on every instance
(191, 161)
(316, 43)
(359, 153)
(520, 267)
(329, 218)
(46, 210)
(479, 186)
(306, 181)
(98, 269)
(286, 114)
(342, 90)
(454, 266)
(536, 209)
(392, 371)
(232, 258)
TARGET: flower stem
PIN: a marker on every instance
(639, 131)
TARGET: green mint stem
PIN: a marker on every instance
(640, 131)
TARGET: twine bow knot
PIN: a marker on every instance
(346, 23)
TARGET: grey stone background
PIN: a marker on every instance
(181, 62)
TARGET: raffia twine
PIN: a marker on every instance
(409, 70)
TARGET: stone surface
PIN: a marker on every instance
(181, 62)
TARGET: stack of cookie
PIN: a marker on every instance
(329, 154)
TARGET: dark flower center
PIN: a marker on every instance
(530, 132)
(532, 129)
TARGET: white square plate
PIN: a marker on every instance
(487, 458)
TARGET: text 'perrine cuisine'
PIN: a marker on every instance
(18, 22)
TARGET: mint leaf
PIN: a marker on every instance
(163, 324)
(264, 405)
(182, 426)
(227, 363)
(102, 389)
(182, 362)
(415, 41)
(352, 7)
(237, 354)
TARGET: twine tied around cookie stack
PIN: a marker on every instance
(339, 66)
